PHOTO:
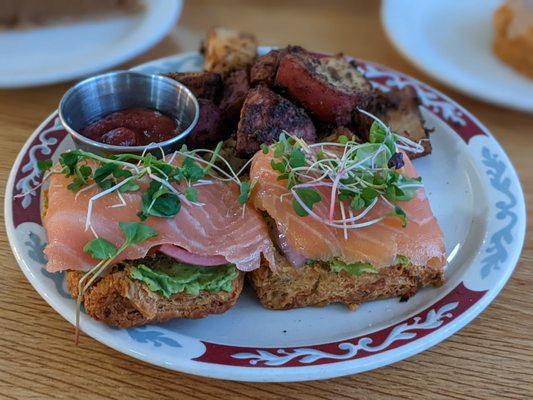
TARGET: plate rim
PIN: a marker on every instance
(387, 8)
(174, 9)
(285, 374)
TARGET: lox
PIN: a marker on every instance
(421, 240)
(219, 227)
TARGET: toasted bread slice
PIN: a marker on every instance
(286, 287)
(118, 300)
(226, 49)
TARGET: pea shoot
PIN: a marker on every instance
(105, 251)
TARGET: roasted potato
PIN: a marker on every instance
(330, 88)
(265, 115)
(204, 85)
(226, 49)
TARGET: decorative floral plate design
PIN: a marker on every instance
(474, 192)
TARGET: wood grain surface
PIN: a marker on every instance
(492, 358)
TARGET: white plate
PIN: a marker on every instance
(473, 190)
(451, 41)
(44, 55)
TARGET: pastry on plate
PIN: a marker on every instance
(513, 35)
(350, 220)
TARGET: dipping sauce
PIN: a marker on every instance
(132, 127)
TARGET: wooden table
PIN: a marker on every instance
(490, 358)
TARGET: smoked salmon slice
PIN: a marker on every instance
(421, 240)
(219, 227)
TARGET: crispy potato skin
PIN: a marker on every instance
(264, 69)
(207, 131)
(234, 90)
(298, 75)
(264, 116)
(204, 85)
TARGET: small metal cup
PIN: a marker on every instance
(93, 98)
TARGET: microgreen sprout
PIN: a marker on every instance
(105, 251)
(351, 176)
(162, 197)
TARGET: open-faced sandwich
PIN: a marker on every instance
(145, 240)
(350, 220)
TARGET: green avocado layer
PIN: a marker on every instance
(360, 268)
(170, 278)
(353, 268)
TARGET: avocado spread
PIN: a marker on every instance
(173, 277)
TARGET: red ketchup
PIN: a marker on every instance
(132, 127)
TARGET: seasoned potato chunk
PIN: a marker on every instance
(226, 49)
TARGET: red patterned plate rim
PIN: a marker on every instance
(425, 328)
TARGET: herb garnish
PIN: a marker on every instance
(105, 251)
(161, 198)
(356, 175)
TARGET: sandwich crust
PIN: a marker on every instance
(287, 287)
(118, 300)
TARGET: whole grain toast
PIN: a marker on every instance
(118, 300)
(288, 287)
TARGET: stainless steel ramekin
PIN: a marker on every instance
(93, 98)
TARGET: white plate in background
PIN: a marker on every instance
(57, 53)
(452, 42)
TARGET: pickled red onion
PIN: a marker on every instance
(296, 259)
(182, 255)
